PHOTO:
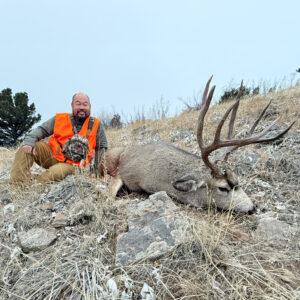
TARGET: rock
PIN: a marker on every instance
(60, 220)
(101, 237)
(147, 292)
(5, 197)
(15, 252)
(113, 288)
(46, 206)
(10, 229)
(273, 229)
(83, 212)
(36, 239)
(64, 191)
(9, 208)
(156, 226)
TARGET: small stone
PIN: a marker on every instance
(46, 206)
(100, 187)
(36, 239)
(280, 207)
(101, 237)
(60, 220)
(113, 288)
(237, 235)
(10, 229)
(5, 197)
(260, 194)
(15, 252)
(82, 213)
(9, 208)
(147, 292)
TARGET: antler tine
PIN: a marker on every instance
(221, 123)
(206, 91)
(262, 133)
(255, 139)
(233, 114)
(259, 117)
(205, 105)
(217, 143)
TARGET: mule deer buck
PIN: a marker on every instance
(164, 167)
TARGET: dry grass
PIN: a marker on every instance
(224, 260)
(6, 158)
(285, 102)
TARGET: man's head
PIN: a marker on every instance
(81, 106)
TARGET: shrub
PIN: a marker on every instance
(115, 122)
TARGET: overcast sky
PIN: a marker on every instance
(127, 54)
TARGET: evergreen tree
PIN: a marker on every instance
(16, 117)
(298, 70)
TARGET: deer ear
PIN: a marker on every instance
(187, 183)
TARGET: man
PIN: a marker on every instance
(49, 155)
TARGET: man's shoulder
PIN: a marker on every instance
(94, 119)
(63, 114)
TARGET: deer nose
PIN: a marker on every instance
(253, 210)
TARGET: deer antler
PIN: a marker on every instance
(217, 142)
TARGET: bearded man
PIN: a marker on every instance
(51, 155)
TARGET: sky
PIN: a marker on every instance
(128, 54)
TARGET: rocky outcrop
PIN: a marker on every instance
(156, 226)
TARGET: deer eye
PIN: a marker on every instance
(223, 189)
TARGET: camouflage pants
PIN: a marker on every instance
(55, 170)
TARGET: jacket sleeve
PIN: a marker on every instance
(44, 130)
(101, 147)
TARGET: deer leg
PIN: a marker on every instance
(114, 186)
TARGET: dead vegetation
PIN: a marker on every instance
(227, 258)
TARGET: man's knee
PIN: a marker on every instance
(43, 155)
(20, 170)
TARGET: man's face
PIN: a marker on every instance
(81, 106)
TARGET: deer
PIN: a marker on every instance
(188, 178)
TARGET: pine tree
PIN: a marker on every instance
(16, 117)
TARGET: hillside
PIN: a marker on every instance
(64, 240)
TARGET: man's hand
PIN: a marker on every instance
(28, 149)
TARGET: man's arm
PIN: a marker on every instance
(42, 131)
(101, 147)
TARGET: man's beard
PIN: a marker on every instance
(81, 119)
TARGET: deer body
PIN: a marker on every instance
(182, 175)
(153, 167)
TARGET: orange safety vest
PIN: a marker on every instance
(63, 130)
